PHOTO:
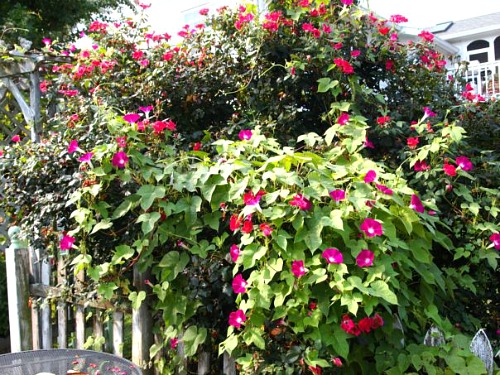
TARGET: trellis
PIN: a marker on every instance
(20, 94)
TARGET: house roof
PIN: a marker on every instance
(469, 26)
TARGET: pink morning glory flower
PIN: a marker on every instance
(16, 139)
(131, 117)
(416, 204)
(464, 163)
(239, 284)
(371, 227)
(252, 199)
(237, 318)
(495, 238)
(298, 268)
(365, 258)
(66, 242)
(301, 202)
(120, 159)
(245, 135)
(265, 229)
(73, 146)
(384, 189)
(85, 158)
(337, 195)
(428, 112)
(234, 251)
(370, 176)
(343, 118)
(333, 256)
(146, 109)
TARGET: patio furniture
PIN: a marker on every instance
(61, 361)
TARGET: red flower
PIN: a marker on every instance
(396, 18)
(382, 120)
(412, 142)
(365, 325)
(16, 138)
(421, 166)
(251, 200)
(348, 325)
(377, 321)
(247, 226)
(197, 146)
(235, 222)
(449, 169)
(343, 65)
(337, 362)
(316, 370)
(384, 189)
(203, 11)
(301, 202)
(427, 36)
(174, 342)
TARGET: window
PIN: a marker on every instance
(497, 48)
(478, 50)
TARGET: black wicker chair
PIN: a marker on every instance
(59, 361)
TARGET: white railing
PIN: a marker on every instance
(483, 77)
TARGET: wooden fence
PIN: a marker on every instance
(46, 310)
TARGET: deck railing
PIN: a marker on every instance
(483, 77)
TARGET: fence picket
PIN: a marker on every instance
(481, 347)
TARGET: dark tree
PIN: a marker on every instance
(38, 19)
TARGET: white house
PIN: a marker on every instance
(476, 42)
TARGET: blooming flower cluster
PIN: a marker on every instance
(365, 325)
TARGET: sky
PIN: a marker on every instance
(165, 14)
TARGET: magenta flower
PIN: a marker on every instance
(343, 118)
(239, 284)
(146, 109)
(495, 238)
(237, 318)
(371, 227)
(131, 117)
(73, 146)
(347, 2)
(85, 158)
(245, 135)
(421, 165)
(234, 251)
(416, 204)
(428, 112)
(174, 342)
(66, 242)
(333, 255)
(384, 189)
(16, 139)
(365, 258)
(464, 163)
(449, 169)
(120, 159)
(298, 268)
(265, 229)
(370, 176)
(301, 202)
(337, 195)
(252, 199)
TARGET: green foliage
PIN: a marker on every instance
(54, 19)
(215, 165)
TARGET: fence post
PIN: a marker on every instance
(17, 263)
(142, 327)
